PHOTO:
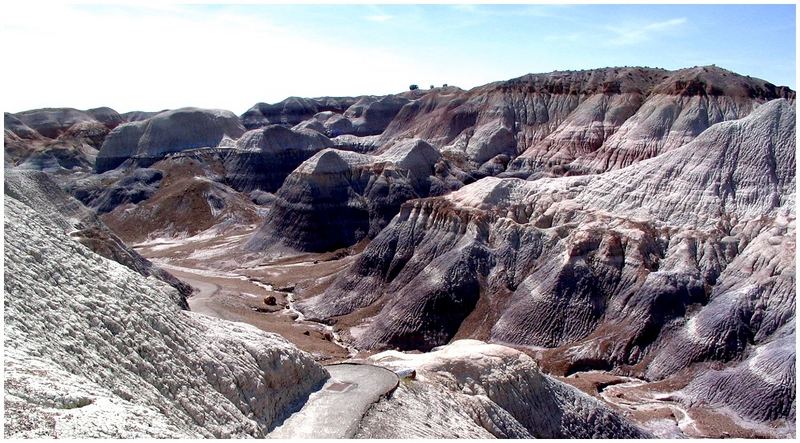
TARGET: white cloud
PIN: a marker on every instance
(632, 34)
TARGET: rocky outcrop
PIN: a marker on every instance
(319, 207)
(493, 388)
(149, 140)
(655, 269)
(92, 349)
(52, 122)
(57, 139)
(537, 125)
(39, 192)
(353, 143)
(210, 185)
(748, 321)
(508, 117)
(104, 192)
(578, 122)
(371, 115)
(190, 198)
(762, 388)
(585, 130)
(358, 116)
(52, 156)
(17, 127)
(293, 110)
(135, 116)
(633, 220)
(268, 155)
(677, 109)
(631, 259)
(337, 198)
(260, 159)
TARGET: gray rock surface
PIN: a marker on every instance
(38, 191)
(52, 122)
(269, 155)
(56, 139)
(293, 110)
(12, 123)
(649, 264)
(191, 198)
(371, 115)
(135, 116)
(106, 191)
(336, 410)
(93, 349)
(494, 387)
(677, 109)
(578, 122)
(337, 198)
(172, 131)
(762, 388)
(657, 220)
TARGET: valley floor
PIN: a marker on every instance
(240, 293)
(229, 288)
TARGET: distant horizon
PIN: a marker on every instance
(390, 93)
(154, 57)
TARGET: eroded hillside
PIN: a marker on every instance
(627, 231)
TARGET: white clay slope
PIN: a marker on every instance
(93, 349)
(468, 388)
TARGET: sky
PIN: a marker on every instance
(159, 56)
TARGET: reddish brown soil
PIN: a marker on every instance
(178, 206)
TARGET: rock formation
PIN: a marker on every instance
(93, 349)
(187, 197)
(762, 388)
(555, 122)
(639, 262)
(57, 138)
(53, 122)
(106, 191)
(151, 139)
(360, 116)
(337, 198)
(629, 220)
(135, 116)
(266, 156)
(293, 110)
(39, 192)
(370, 115)
(489, 391)
(677, 110)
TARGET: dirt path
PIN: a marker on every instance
(336, 410)
(201, 301)
(351, 351)
(235, 297)
(626, 397)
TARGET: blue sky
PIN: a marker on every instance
(154, 57)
